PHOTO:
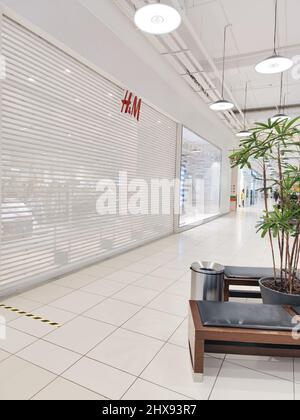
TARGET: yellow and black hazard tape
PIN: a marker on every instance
(29, 315)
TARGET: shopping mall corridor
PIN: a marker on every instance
(123, 329)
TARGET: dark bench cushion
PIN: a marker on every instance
(251, 272)
(248, 272)
(243, 315)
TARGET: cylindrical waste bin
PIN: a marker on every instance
(207, 281)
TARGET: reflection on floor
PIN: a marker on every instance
(124, 330)
(196, 219)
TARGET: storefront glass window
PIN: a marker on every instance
(200, 179)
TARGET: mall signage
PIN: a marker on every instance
(131, 104)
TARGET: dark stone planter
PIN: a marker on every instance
(272, 297)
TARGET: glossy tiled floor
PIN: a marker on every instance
(124, 329)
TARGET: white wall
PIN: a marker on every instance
(104, 36)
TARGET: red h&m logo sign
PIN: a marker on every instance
(131, 105)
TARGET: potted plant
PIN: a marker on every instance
(275, 147)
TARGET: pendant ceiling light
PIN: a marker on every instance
(281, 116)
(223, 104)
(157, 19)
(245, 132)
(275, 63)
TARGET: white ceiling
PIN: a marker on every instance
(196, 47)
(250, 40)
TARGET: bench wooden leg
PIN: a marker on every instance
(197, 356)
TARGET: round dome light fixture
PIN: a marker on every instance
(222, 105)
(157, 19)
(244, 133)
(274, 64)
(281, 117)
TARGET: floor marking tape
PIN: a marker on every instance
(29, 315)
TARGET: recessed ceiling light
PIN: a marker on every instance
(68, 71)
(31, 79)
(222, 105)
(157, 19)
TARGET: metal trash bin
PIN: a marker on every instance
(207, 281)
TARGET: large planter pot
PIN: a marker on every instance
(272, 297)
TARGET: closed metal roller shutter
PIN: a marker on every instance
(62, 132)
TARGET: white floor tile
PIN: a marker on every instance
(136, 295)
(54, 314)
(141, 268)
(168, 273)
(297, 370)
(103, 287)
(48, 356)
(180, 264)
(124, 277)
(77, 302)
(180, 336)
(15, 340)
(9, 316)
(98, 271)
(180, 288)
(154, 324)
(143, 390)
(80, 334)
(153, 262)
(172, 304)
(47, 293)
(38, 328)
(186, 278)
(17, 303)
(61, 389)
(117, 263)
(21, 380)
(4, 355)
(280, 367)
(31, 326)
(112, 294)
(113, 312)
(134, 256)
(75, 281)
(297, 392)
(239, 383)
(100, 378)
(220, 356)
(153, 283)
(172, 369)
(136, 351)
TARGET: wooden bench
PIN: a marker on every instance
(249, 340)
(244, 277)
